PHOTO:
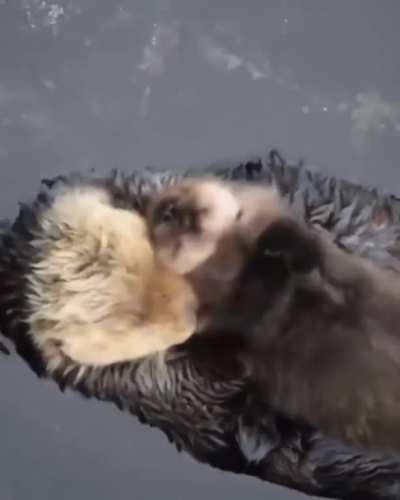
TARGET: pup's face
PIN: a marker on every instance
(187, 221)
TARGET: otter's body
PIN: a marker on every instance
(327, 348)
(322, 326)
(211, 428)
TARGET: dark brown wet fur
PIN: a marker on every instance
(327, 346)
(323, 343)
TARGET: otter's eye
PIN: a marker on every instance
(168, 212)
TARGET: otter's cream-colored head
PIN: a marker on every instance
(187, 221)
(98, 294)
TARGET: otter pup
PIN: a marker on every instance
(206, 230)
(322, 327)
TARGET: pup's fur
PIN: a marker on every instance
(98, 294)
(323, 326)
(207, 230)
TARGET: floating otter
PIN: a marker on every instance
(201, 405)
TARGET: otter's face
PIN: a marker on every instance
(187, 221)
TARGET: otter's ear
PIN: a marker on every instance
(296, 244)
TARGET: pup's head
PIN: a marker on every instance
(187, 221)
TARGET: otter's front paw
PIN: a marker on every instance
(288, 239)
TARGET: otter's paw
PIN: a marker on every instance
(288, 239)
(258, 433)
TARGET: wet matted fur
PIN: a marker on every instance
(320, 326)
(201, 406)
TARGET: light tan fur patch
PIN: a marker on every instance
(99, 295)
